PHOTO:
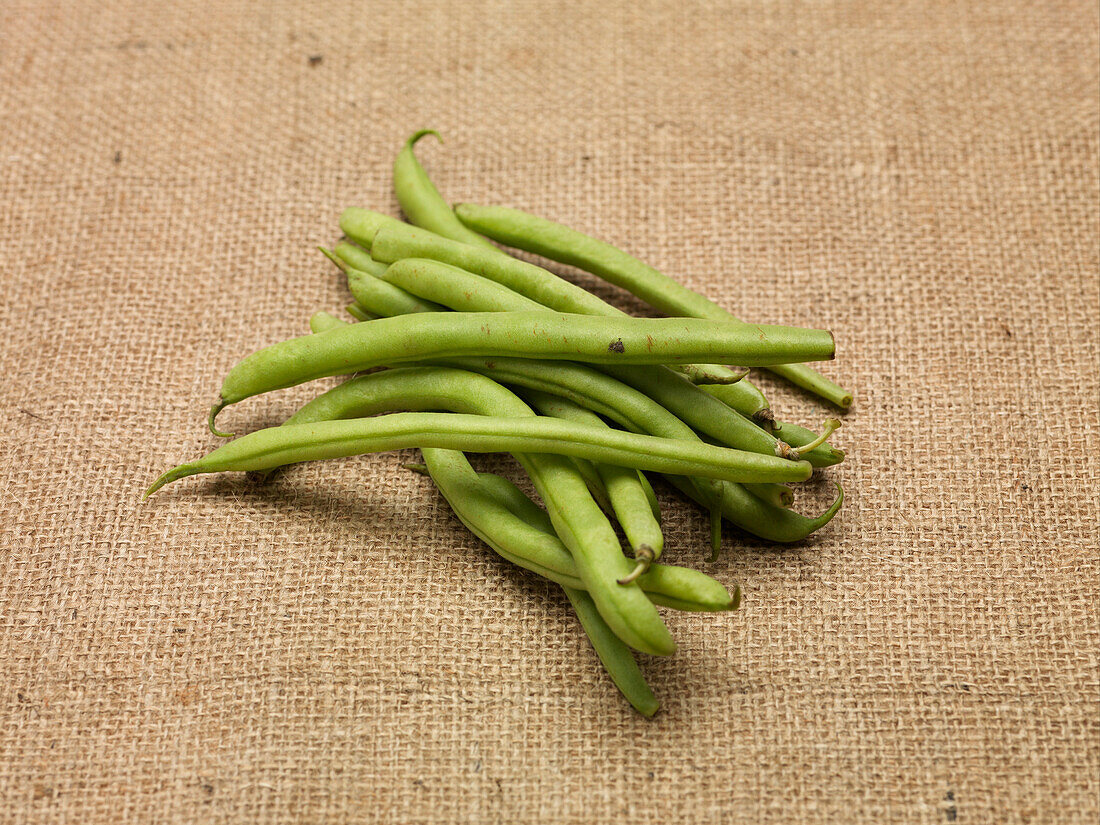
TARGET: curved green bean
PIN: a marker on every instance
(291, 443)
(529, 541)
(742, 508)
(421, 201)
(560, 243)
(428, 335)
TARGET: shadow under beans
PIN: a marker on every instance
(369, 519)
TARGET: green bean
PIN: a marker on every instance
(455, 288)
(490, 434)
(393, 241)
(421, 201)
(429, 335)
(560, 243)
(461, 290)
(773, 523)
(377, 302)
(624, 488)
(615, 656)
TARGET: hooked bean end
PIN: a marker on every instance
(217, 408)
(411, 142)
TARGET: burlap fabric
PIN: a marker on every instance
(334, 646)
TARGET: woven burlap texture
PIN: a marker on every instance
(334, 646)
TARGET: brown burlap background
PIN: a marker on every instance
(335, 647)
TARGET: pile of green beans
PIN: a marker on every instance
(458, 347)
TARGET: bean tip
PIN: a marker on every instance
(214, 410)
(167, 478)
(328, 253)
(411, 142)
(715, 534)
